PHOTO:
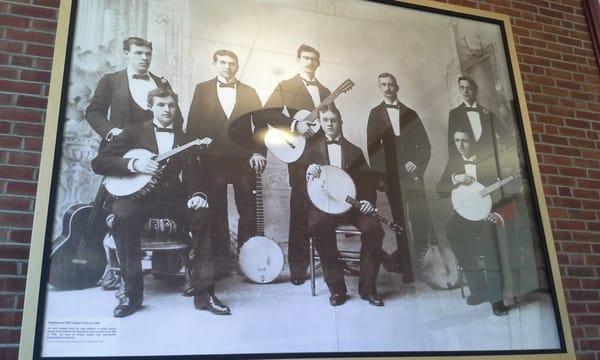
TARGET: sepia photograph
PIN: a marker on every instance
(283, 179)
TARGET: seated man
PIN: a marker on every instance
(168, 197)
(475, 242)
(331, 148)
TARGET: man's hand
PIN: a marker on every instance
(145, 166)
(197, 202)
(303, 128)
(493, 218)
(258, 162)
(381, 185)
(113, 132)
(313, 171)
(463, 179)
(366, 207)
(410, 167)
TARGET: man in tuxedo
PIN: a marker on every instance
(488, 132)
(329, 147)
(301, 92)
(124, 93)
(476, 242)
(399, 149)
(169, 197)
(215, 106)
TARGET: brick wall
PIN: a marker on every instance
(562, 84)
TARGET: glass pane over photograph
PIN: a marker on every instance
(284, 177)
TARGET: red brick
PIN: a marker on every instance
(10, 318)
(32, 101)
(7, 268)
(30, 36)
(24, 158)
(20, 236)
(21, 61)
(39, 76)
(28, 129)
(49, 3)
(10, 142)
(48, 26)
(33, 144)
(14, 21)
(21, 188)
(15, 172)
(16, 114)
(8, 301)
(14, 252)
(10, 336)
(15, 203)
(39, 50)
(20, 87)
(11, 47)
(34, 11)
(9, 353)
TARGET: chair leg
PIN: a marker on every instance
(312, 267)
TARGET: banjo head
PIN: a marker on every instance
(329, 191)
(121, 186)
(261, 259)
(469, 204)
(285, 145)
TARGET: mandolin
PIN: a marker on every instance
(77, 258)
(261, 259)
(288, 146)
(139, 185)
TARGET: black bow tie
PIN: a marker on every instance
(388, 106)
(162, 129)
(475, 109)
(141, 77)
(330, 142)
(226, 85)
(310, 82)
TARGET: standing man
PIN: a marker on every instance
(181, 201)
(124, 94)
(331, 148)
(215, 105)
(488, 133)
(301, 92)
(399, 148)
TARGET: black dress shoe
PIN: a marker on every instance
(475, 300)
(208, 301)
(373, 299)
(126, 306)
(297, 281)
(499, 309)
(390, 262)
(337, 299)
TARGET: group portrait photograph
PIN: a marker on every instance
(283, 178)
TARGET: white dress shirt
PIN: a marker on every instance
(394, 115)
(313, 91)
(139, 88)
(164, 140)
(470, 169)
(226, 96)
(475, 121)
(334, 151)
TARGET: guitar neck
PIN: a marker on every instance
(167, 154)
(392, 225)
(260, 211)
(327, 101)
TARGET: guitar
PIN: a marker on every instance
(288, 146)
(261, 259)
(138, 185)
(474, 202)
(77, 258)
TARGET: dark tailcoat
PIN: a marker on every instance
(322, 225)
(168, 199)
(293, 94)
(112, 95)
(388, 155)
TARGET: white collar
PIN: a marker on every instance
(305, 78)
(393, 103)
(467, 105)
(338, 138)
(472, 158)
(130, 74)
(158, 124)
(220, 79)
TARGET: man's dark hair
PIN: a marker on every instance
(307, 48)
(160, 92)
(387, 75)
(331, 107)
(132, 40)
(223, 52)
(462, 129)
(470, 81)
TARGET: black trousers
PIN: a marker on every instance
(220, 173)
(402, 254)
(476, 247)
(298, 239)
(322, 229)
(130, 217)
(413, 192)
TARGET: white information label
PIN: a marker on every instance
(76, 337)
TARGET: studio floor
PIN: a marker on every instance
(282, 318)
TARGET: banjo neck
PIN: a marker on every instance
(260, 211)
(392, 225)
(167, 154)
(497, 185)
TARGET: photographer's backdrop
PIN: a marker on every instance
(555, 53)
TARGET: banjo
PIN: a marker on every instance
(474, 202)
(334, 192)
(139, 185)
(288, 146)
(261, 259)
